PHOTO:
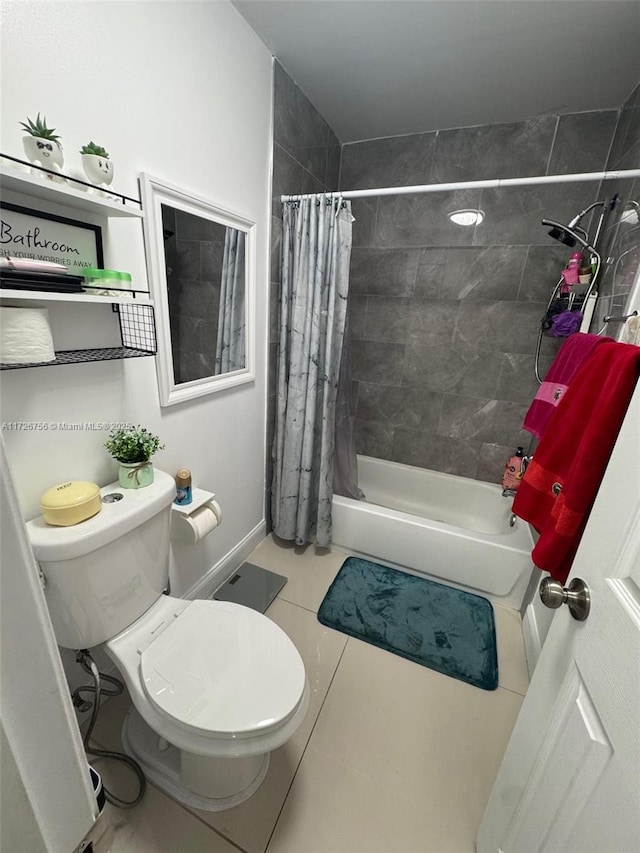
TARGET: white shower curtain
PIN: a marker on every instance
(230, 353)
(316, 250)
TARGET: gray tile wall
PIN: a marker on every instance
(445, 319)
(621, 238)
(306, 159)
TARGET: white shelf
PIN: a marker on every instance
(37, 186)
(198, 498)
(95, 299)
(137, 327)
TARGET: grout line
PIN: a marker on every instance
(553, 142)
(522, 272)
(304, 751)
(614, 133)
(511, 690)
(201, 820)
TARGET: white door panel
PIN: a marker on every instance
(570, 778)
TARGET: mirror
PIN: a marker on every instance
(201, 265)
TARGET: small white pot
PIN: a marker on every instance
(46, 152)
(99, 170)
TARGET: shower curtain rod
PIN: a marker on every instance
(473, 185)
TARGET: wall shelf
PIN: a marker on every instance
(136, 319)
(95, 299)
(90, 198)
(135, 312)
(81, 356)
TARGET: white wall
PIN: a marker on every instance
(181, 90)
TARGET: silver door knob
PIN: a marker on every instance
(576, 595)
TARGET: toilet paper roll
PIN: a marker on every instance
(202, 521)
(25, 336)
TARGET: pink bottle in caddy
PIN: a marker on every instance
(571, 273)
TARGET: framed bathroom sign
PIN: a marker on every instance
(28, 233)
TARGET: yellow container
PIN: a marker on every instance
(70, 503)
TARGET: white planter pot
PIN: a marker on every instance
(99, 170)
(45, 152)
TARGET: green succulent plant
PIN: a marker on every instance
(39, 128)
(92, 148)
(132, 444)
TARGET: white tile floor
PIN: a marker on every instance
(392, 757)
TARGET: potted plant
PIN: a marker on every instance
(133, 447)
(96, 164)
(41, 144)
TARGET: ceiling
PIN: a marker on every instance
(378, 68)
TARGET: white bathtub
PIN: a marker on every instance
(447, 528)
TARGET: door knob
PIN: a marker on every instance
(576, 595)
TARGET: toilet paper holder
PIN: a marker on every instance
(190, 523)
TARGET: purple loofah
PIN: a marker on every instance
(565, 324)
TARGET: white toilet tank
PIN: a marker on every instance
(105, 572)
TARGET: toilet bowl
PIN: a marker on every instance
(215, 686)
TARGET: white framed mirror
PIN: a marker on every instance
(201, 265)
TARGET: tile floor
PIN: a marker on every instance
(392, 757)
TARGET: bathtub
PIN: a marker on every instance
(447, 528)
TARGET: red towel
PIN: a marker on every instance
(562, 480)
(569, 359)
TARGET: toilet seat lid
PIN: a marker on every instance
(223, 669)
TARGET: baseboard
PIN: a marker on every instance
(225, 567)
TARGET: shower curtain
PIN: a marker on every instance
(231, 318)
(316, 249)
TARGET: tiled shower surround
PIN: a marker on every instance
(444, 319)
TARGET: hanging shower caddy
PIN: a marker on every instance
(572, 235)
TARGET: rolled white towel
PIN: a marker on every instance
(25, 336)
(630, 332)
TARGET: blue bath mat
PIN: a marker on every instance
(429, 623)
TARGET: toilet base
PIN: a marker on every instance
(210, 784)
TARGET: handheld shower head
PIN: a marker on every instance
(576, 219)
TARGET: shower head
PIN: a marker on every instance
(561, 234)
(568, 235)
(572, 233)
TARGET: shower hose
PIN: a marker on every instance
(98, 689)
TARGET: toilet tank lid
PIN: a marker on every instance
(121, 516)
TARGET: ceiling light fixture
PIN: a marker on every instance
(469, 216)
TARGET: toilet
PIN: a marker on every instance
(215, 686)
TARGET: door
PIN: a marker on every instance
(46, 798)
(570, 778)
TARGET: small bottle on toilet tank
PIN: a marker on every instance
(183, 487)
